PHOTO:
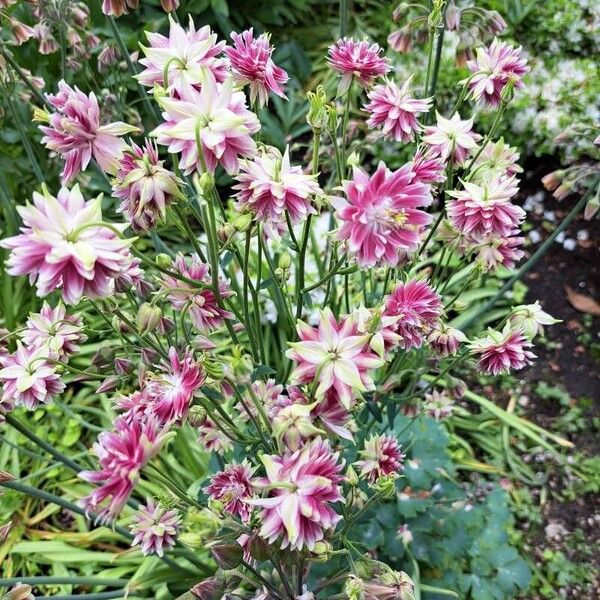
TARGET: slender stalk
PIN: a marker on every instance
(245, 301)
(535, 257)
(189, 232)
(64, 579)
(343, 18)
(24, 78)
(346, 118)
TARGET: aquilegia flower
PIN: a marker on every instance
(216, 115)
(530, 319)
(419, 308)
(452, 138)
(60, 333)
(381, 456)
(335, 355)
(155, 528)
(122, 453)
(486, 208)
(494, 250)
(117, 8)
(395, 111)
(428, 166)
(438, 405)
(184, 58)
(493, 68)
(499, 352)
(200, 303)
(212, 438)
(445, 340)
(268, 186)
(232, 487)
(302, 487)
(496, 160)
(381, 219)
(169, 394)
(28, 378)
(60, 246)
(144, 186)
(252, 65)
(357, 60)
(74, 131)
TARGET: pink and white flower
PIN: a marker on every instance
(493, 69)
(269, 187)
(438, 405)
(418, 307)
(28, 378)
(335, 356)
(428, 166)
(252, 65)
(496, 160)
(530, 319)
(302, 487)
(183, 59)
(216, 115)
(200, 303)
(452, 138)
(496, 250)
(155, 528)
(499, 352)
(212, 438)
(52, 328)
(358, 61)
(117, 8)
(445, 340)
(122, 454)
(381, 456)
(395, 111)
(486, 208)
(233, 488)
(74, 132)
(144, 186)
(60, 246)
(381, 219)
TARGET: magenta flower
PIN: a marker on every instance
(452, 138)
(486, 208)
(498, 250)
(168, 395)
(183, 59)
(200, 303)
(74, 132)
(269, 187)
(428, 166)
(52, 328)
(302, 487)
(493, 69)
(445, 340)
(499, 352)
(144, 186)
(381, 456)
(252, 65)
(395, 110)
(122, 453)
(381, 219)
(60, 246)
(419, 308)
(155, 528)
(217, 116)
(335, 356)
(232, 487)
(28, 378)
(357, 60)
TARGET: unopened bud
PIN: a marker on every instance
(148, 317)
(351, 476)
(259, 549)
(227, 556)
(123, 366)
(353, 160)
(225, 232)
(20, 591)
(243, 222)
(108, 385)
(317, 113)
(285, 261)
(149, 356)
(322, 551)
(4, 531)
(40, 115)
(214, 369)
(196, 415)
(212, 588)
(5, 476)
(163, 260)
(206, 182)
(332, 117)
(386, 486)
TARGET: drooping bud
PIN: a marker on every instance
(148, 317)
(212, 588)
(259, 549)
(317, 113)
(196, 415)
(163, 260)
(227, 556)
(20, 591)
(108, 385)
(123, 365)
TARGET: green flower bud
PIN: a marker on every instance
(317, 103)
(351, 476)
(214, 369)
(285, 261)
(206, 182)
(163, 260)
(196, 415)
(386, 485)
(243, 222)
(353, 160)
(148, 317)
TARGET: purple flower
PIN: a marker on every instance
(232, 487)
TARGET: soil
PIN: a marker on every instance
(567, 360)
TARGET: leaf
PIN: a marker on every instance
(262, 371)
(582, 303)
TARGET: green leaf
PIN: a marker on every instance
(261, 372)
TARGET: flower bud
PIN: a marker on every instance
(592, 207)
(214, 369)
(206, 182)
(4, 531)
(20, 591)
(354, 588)
(227, 556)
(40, 115)
(196, 415)
(148, 317)
(225, 232)
(400, 11)
(108, 385)
(322, 551)
(166, 325)
(285, 261)
(149, 356)
(169, 5)
(317, 113)
(400, 40)
(212, 588)
(386, 485)
(123, 366)
(163, 260)
(5, 476)
(243, 222)
(332, 117)
(452, 17)
(351, 476)
(259, 549)
(353, 160)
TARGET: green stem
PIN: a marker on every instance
(65, 579)
(190, 234)
(245, 301)
(343, 18)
